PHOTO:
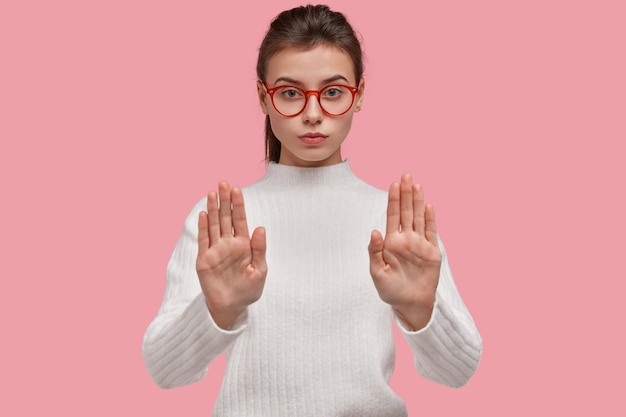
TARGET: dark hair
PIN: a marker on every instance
(305, 27)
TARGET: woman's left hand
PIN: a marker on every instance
(405, 263)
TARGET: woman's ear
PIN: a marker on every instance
(262, 96)
(358, 98)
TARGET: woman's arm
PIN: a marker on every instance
(209, 271)
(410, 271)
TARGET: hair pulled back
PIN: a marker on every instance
(305, 27)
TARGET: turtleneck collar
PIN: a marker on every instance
(287, 175)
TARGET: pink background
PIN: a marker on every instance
(117, 116)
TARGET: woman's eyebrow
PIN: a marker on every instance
(287, 79)
(299, 83)
(335, 78)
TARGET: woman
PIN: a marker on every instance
(303, 306)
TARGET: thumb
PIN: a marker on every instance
(375, 250)
(258, 245)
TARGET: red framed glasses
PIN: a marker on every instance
(290, 101)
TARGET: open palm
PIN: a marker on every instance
(405, 263)
(230, 264)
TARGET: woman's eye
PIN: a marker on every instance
(290, 93)
(332, 92)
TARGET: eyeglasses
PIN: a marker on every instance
(290, 101)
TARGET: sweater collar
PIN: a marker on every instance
(287, 175)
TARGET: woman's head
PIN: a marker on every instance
(295, 37)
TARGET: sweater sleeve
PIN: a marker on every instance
(183, 339)
(448, 349)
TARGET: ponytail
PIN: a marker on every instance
(272, 144)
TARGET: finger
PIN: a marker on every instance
(393, 208)
(258, 245)
(240, 224)
(203, 232)
(431, 227)
(418, 209)
(375, 249)
(226, 225)
(213, 218)
(406, 203)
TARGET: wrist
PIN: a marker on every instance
(225, 318)
(414, 318)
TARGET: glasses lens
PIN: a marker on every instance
(289, 100)
(335, 100)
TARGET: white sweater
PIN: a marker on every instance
(319, 342)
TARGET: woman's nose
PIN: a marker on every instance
(313, 111)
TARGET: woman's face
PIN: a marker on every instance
(311, 138)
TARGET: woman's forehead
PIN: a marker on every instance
(315, 65)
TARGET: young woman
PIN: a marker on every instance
(303, 307)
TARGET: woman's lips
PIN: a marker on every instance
(313, 138)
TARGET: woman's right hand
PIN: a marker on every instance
(231, 265)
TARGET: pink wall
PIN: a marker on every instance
(117, 116)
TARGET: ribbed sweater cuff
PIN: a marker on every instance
(448, 349)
